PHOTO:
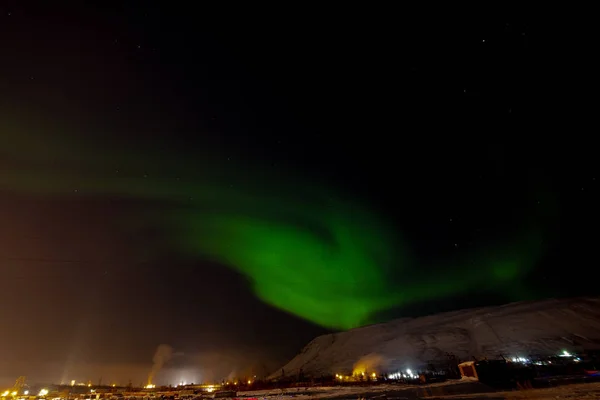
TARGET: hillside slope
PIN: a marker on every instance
(512, 330)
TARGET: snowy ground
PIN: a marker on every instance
(585, 391)
(582, 391)
(314, 392)
(351, 392)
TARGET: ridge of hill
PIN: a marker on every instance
(511, 330)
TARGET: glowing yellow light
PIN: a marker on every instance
(210, 389)
(5, 394)
(373, 374)
(13, 394)
(89, 385)
(43, 392)
(113, 385)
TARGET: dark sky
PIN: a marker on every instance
(463, 136)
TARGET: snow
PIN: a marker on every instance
(326, 392)
(312, 392)
(512, 330)
(583, 391)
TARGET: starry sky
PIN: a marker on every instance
(233, 184)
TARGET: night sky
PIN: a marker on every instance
(233, 184)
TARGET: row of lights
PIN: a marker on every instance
(399, 375)
(340, 376)
(43, 392)
(527, 361)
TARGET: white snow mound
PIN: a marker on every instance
(512, 330)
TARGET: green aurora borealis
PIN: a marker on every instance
(306, 248)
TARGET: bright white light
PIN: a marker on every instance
(26, 392)
(43, 392)
(566, 354)
(408, 371)
(396, 375)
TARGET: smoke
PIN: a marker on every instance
(371, 363)
(228, 364)
(163, 353)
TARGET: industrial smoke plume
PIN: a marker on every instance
(369, 364)
(161, 356)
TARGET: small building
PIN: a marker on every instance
(468, 370)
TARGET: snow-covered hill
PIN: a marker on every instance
(512, 330)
